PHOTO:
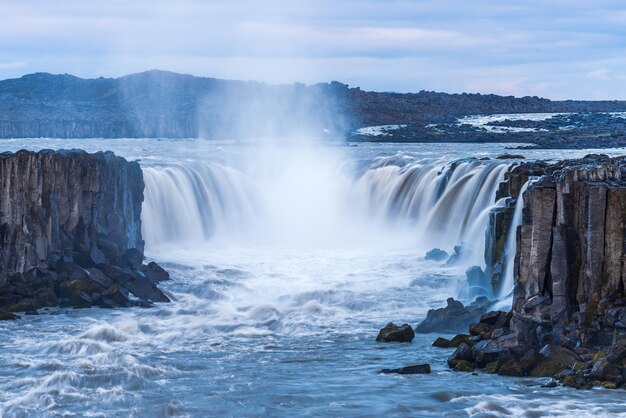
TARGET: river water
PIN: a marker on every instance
(285, 260)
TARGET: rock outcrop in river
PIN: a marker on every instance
(70, 232)
(568, 318)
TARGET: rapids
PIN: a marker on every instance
(285, 262)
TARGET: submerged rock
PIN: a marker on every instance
(460, 251)
(416, 369)
(436, 255)
(394, 333)
(8, 316)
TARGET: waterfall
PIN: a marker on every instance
(190, 203)
(436, 204)
(510, 247)
(444, 205)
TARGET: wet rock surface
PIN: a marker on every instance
(393, 333)
(416, 369)
(70, 232)
(454, 317)
(567, 318)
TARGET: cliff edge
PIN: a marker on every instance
(568, 317)
(70, 232)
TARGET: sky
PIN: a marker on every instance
(552, 48)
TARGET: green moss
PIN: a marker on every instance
(460, 338)
(511, 368)
(491, 367)
(569, 381)
(598, 356)
(609, 385)
(547, 369)
(464, 366)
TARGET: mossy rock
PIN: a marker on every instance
(609, 385)
(441, 342)
(550, 384)
(570, 381)
(482, 330)
(79, 292)
(491, 367)
(8, 316)
(546, 369)
(463, 366)
(598, 356)
(511, 368)
(461, 338)
(580, 365)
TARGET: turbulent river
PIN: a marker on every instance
(286, 260)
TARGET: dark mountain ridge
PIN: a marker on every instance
(164, 104)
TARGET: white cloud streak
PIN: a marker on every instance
(556, 48)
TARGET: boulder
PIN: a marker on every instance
(617, 352)
(454, 317)
(562, 355)
(460, 252)
(511, 368)
(441, 342)
(460, 338)
(155, 273)
(462, 352)
(510, 157)
(436, 255)
(138, 285)
(131, 258)
(394, 333)
(485, 352)
(605, 370)
(416, 369)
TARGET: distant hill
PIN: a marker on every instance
(165, 104)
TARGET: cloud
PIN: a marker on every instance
(563, 49)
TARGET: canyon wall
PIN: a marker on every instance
(570, 267)
(70, 231)
(568, 316)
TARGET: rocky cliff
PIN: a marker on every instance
(570, 267)
(70, 231)
(568, 317)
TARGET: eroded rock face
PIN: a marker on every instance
(500, 218)
(570, 272)
(70, 231)
(569, 301)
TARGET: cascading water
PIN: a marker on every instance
(425, 204)
(505, 293)
(285, 263)
(190, 203)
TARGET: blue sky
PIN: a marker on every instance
(557, 49)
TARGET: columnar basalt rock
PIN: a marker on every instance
(570, 269)
(568, 318)
(501, 217)
(70, 231)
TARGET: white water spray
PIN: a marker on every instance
(314, 197)
(510, 248)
